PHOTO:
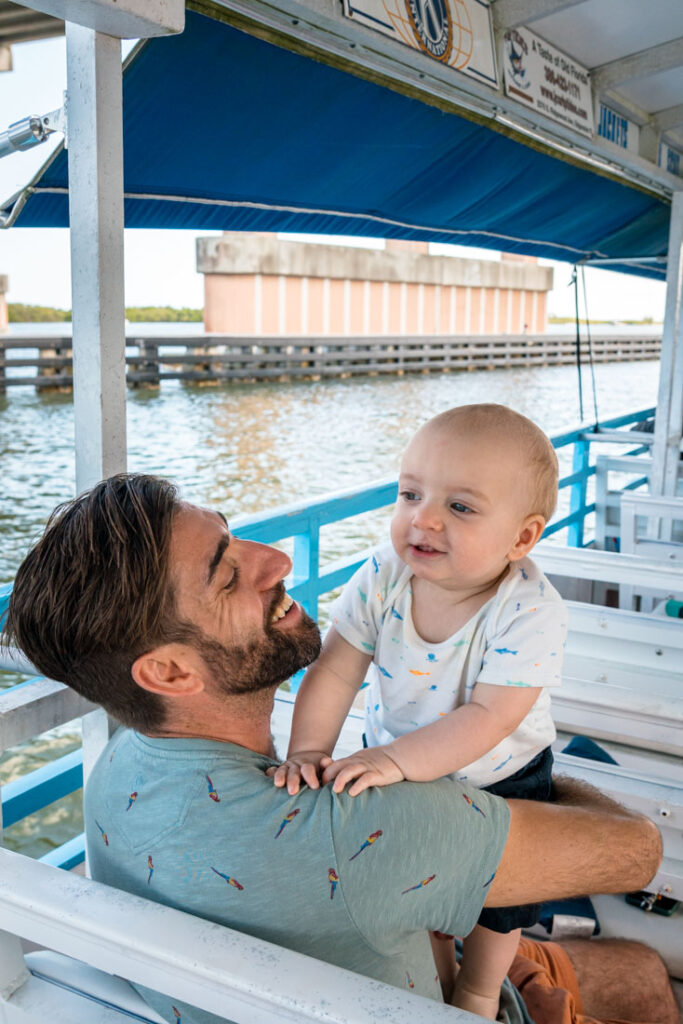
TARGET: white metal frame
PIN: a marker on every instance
(607, 567)
(669, 418)
(608, 501)
(662, 540)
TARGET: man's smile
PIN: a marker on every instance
(284, 611)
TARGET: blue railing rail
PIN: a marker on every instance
(302, 522)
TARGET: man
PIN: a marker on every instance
(182, 631)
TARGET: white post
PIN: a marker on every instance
(669, 422)
(95, 139)
(13, 972)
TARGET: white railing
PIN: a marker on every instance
(207, 965)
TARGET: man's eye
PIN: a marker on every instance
(232, 581)
(458, 506)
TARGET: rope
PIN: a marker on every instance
(575, 282)
(590, 348)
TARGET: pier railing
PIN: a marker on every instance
(203, 358)
(37, 705)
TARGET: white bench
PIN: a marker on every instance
(622, 678)
(660, 538)
(205, 964)
(628, 469)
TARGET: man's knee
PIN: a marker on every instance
(623, 979)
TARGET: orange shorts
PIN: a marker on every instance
(545, 977)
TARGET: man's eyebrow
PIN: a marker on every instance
(218, 554)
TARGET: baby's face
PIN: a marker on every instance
(462, 504)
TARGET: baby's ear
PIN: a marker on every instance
(529, 533)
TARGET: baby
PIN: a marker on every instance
(465, 636)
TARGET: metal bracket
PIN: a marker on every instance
(32, 131)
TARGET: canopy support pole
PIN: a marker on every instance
(95, 141)
(669, 421)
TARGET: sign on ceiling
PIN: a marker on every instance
(618, 129)
(547, 80)
(457, 33)
(670, 159)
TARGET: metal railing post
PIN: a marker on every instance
(577, 495)
(668, 424)
(306, 569)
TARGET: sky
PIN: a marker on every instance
(160, 265)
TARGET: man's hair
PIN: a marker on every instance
(511, 428)
(94, 594)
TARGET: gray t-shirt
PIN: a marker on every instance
(356, 881)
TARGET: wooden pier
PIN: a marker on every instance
(46, 362)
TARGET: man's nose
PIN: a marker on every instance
(267, 565)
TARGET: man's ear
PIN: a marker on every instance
(529, 533)
(172, 670)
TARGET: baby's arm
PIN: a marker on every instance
(457, 739)
(322, 704)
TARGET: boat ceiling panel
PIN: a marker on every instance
(597, 32)
(656, 92)
(226, 131)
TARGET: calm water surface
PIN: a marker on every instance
(249, 448)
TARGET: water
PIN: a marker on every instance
(249, 448)
(246, 448)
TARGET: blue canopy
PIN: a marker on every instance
(223, 130)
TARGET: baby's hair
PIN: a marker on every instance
(498, 421)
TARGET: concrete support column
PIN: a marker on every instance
(96, 216)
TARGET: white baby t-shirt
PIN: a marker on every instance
(516, 639)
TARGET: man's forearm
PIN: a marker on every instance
(584, 843)
(575, 793)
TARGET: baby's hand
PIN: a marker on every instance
(369, 767)
(301, 766)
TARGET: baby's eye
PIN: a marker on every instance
(409, 496)
(458, 506)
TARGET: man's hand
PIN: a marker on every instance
(370, 767)
(300, 766)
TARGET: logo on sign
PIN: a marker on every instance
(516, 50)
(432, 26)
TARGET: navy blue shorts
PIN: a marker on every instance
(532, 782)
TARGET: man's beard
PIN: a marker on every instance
(262, 664)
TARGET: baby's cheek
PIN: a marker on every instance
(397, 531)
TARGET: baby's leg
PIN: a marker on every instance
(443, 950)
(486, 959)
